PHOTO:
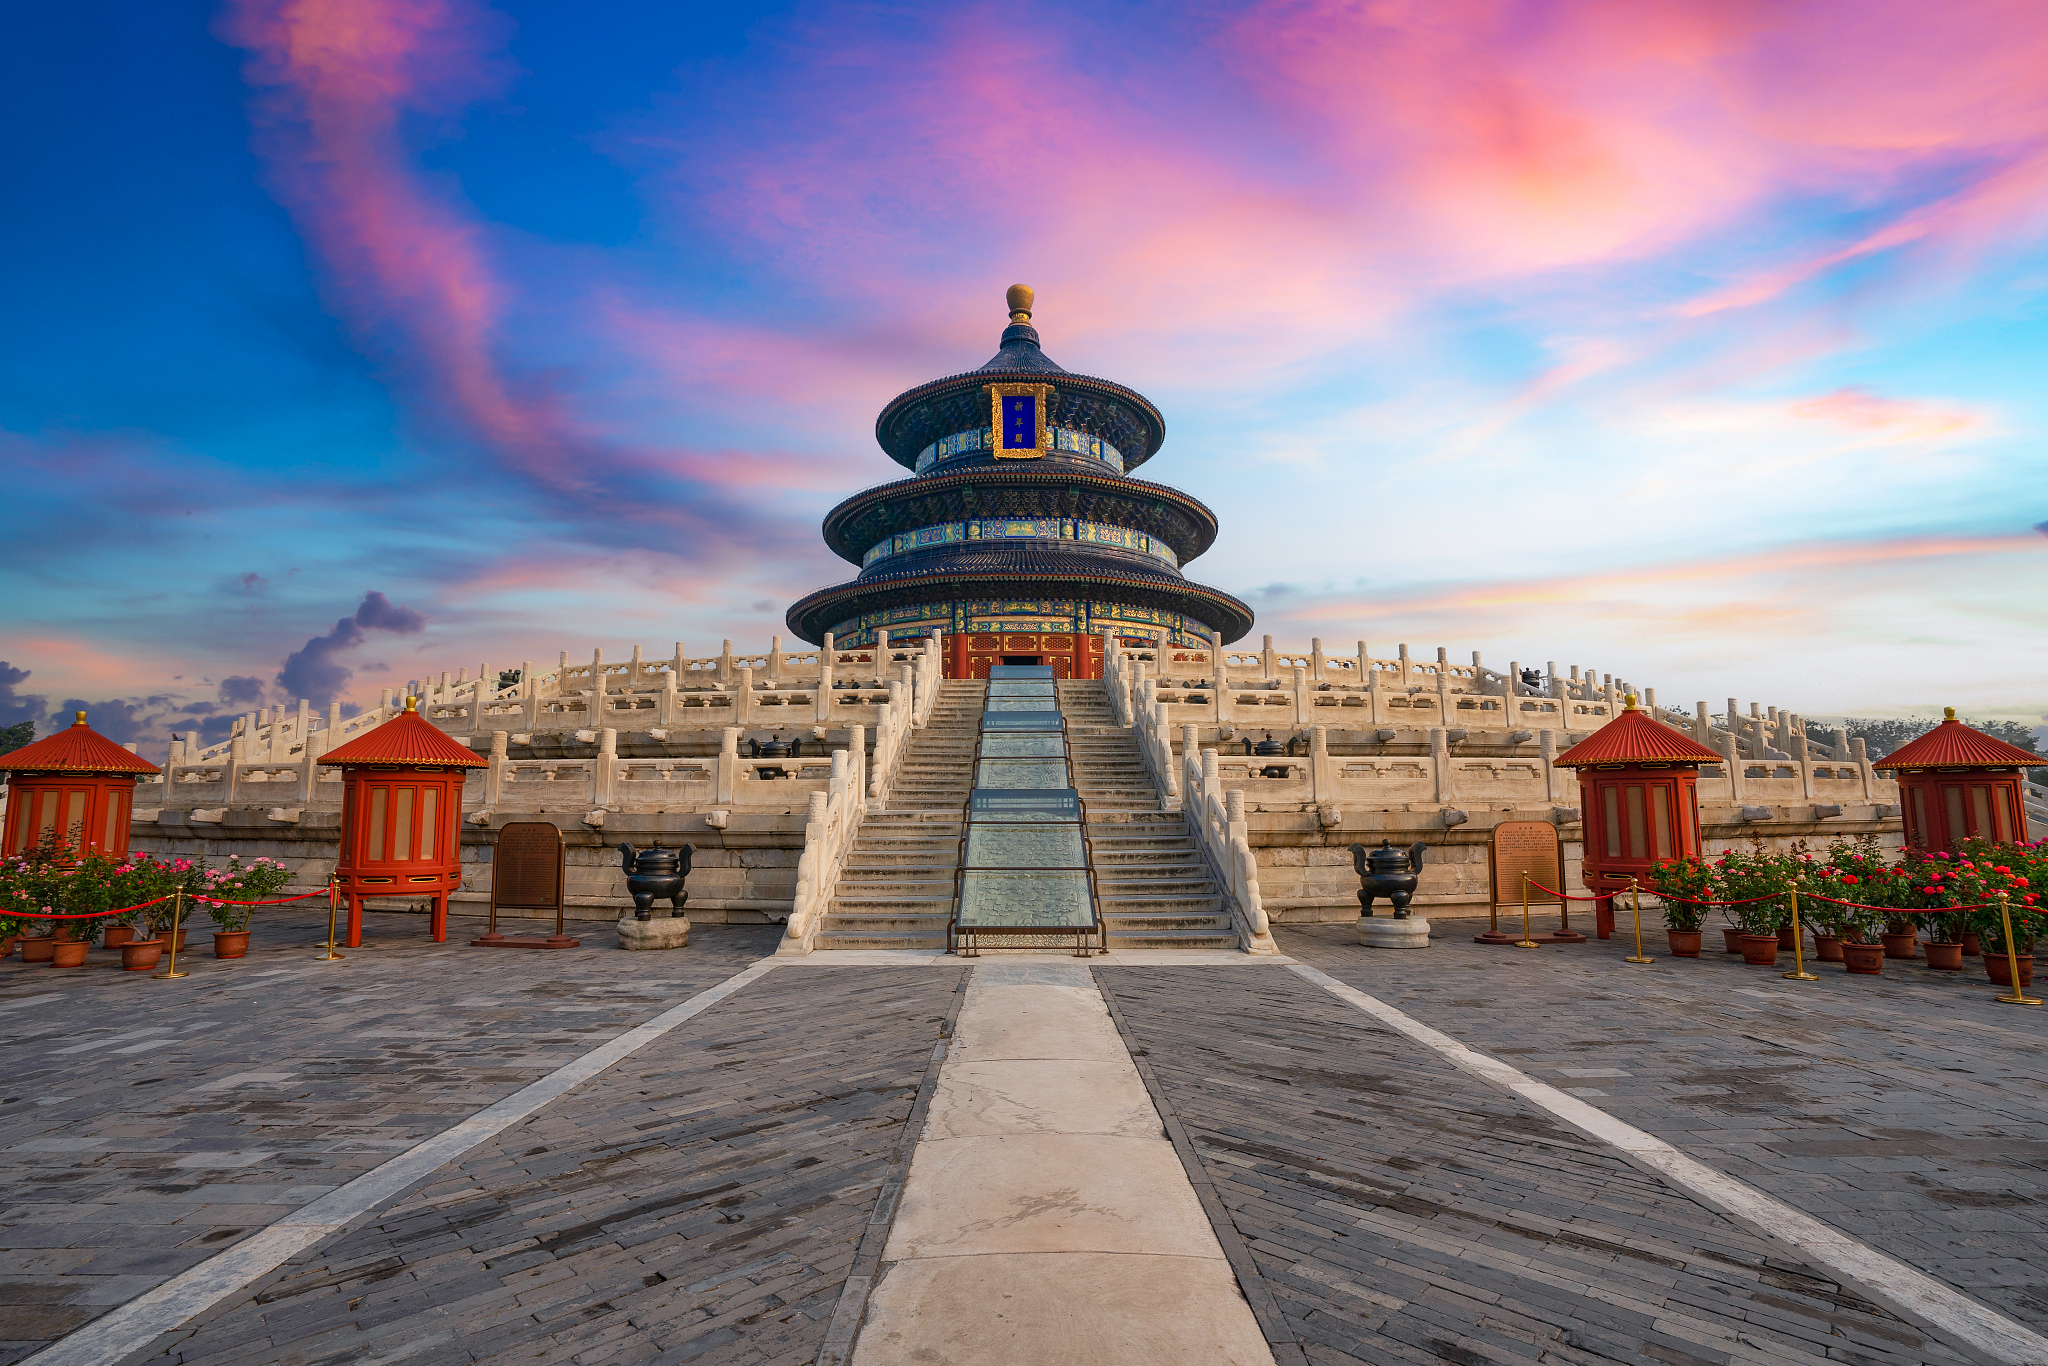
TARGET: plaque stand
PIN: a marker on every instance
(530, 855)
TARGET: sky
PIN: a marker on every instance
(351, 341)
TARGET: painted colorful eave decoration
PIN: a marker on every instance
(78, 748)
(1955, 745)
(1633, 738)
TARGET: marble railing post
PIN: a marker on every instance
(1702, 723)
(670, 701)
(1304, 705)
(825, 680)
(725, 662)
(728, 764)
(775, 657)
(1266, 659)
(1732, 748)
(1859, 750)
(494, 776)
(1440, 761)
(1322, 786)
(1547, 745)
(1315, 658)
(603, 767)
(881, 657)
(743, 696)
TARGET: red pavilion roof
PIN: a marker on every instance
(76, 749)
(407, 738)
(1633, 738)
(1954, 745)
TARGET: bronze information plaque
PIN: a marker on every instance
(1520, 847)
(526, 869)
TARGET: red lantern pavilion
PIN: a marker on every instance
(1639, 792)
(1957, 783)
(77, 785)
(401, 815)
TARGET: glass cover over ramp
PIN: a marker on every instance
(1024, 867)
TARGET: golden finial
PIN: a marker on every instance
(81, 719)
(1020, 298)
(1628, 701)
(412, 703)
(1947, 714)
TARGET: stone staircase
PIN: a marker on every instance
(1153, 888)
(897, 889)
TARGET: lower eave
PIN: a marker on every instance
(814, 614)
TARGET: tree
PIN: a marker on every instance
(15, 736)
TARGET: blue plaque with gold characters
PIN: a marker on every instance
(1017, 415)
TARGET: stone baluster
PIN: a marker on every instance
(1838, 747)
(1546, 741)
(1266, 665)
(1440, 761)
(1401, 674)
(1304, 704)
(1550, 681)
(1315, 659)
(881, 657)
(595, 711)
(1702, 723)
(669, 708)
(1859, 750)
(1802, 755)
(679, 664)
(725, 663)
(633, 673)
(1732, 748)
(775, 657)
(743, 696)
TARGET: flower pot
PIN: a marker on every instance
(117, 935)
(230, 943)
(1684, 943)
(68, 953)
(7, 945)
(38, 950)
(1972, 948)
(1733, 939)
(1827, 948)
(1947, 957)
(1785, 938)
(1760, 950)
(1999, 969)
(141, 955)
(1866, 960)
(1900, 945)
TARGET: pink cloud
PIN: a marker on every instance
(1891, 418)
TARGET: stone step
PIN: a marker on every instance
(1218, 923)
(829, 938)
(1135, 887)
(1170, 939)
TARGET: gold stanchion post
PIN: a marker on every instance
(333, 908)
(1799, 972)
(2015, 997)
(1525, 942)
(1635, 896)
(177, 925)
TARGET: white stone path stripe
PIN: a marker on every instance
(141, 1320)
(1046, 1217)
(1918, 1294)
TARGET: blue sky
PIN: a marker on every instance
(1696, 346)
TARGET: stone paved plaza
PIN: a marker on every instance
(746, 1180)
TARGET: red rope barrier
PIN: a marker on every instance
(1895, 910)
(1653, 892)
(205, 900)
(84, 915)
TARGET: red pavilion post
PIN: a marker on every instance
(76, 785)
(401, 816)
(1639, 800)
(1956, 783)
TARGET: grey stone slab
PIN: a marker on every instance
(1355, 1158)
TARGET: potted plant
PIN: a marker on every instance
(1945, 940)
(1684, 884)
(1760, 924)
(256, 880)
(1862, 955)
(1901, 937)
(2027, 925)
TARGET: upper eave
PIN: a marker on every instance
(1081, 402)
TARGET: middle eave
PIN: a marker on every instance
(1175, 518)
